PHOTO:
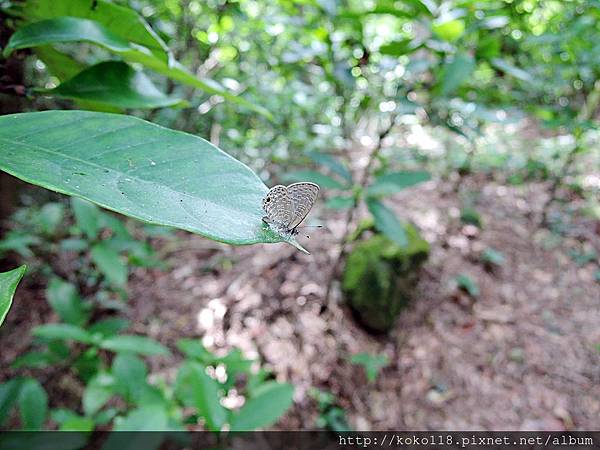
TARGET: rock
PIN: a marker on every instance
(379, 278)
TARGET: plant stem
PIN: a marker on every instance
(351, 215)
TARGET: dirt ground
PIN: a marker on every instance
(521, 356)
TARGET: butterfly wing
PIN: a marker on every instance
(278, 206)
(302, 197)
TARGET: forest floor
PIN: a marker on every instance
(523, 355)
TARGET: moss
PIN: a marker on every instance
(380, 276)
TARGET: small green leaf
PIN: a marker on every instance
(18, 242)
(449, 30)
(65, 301)
(468, 284)
(9, 392)
(371, 363)
(77, 424)
(114, 83)
(393, 182)
(268, 404)
(33, 404)
(130, 376)
(50, 217)
(456, 73)
(387, 222)
(34, 359)
(512, 70)
(97, 392)
(470, 216)
(324, 181)
(195, 388)
(332, 164)
(144, 418)
(493, 257)
(110, 264)
(109, 327)
(193, 348)
(87, 216)
(397, 48)
(8, 285)
(61, 65)
(140, 345)
(339, 202)
(62, 331)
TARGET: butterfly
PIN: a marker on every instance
(286, 207)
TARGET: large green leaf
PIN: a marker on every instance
(97, 392)
(70, 29)
(114, 83)
(138, 169)
(269, 402)
(8, 285)
(120, 20)
(59, 64)
(202, 392)
(387, 222)
(33, 404)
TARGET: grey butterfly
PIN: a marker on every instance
(286, 207)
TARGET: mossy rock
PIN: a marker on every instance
(380, 277)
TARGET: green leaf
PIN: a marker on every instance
(8, 285)
(130, 376)
(9, 393)
(193, 348)
(201, 391)
(62, 331)
(65, 301)
(87, 216)
(339, 202)
(397, 48)
(33, 404)
(323, 181)
(141, 345)
(109, 327)
(456, 73)
(110, 264)
(332, 164)
(114, 83)
(267, 405)
(121, 20)
(468, 284)
(470, 216)
(61, 65)
(387, 222)
(50, 217)
(145, 418)
(77, 424)
(512, 70)
(138, 169)
(70, 29)
(97, 392)
(19, 242)
(393, 182)
(493, 257)
(34, 359)
(449, 30)
(371, 363)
